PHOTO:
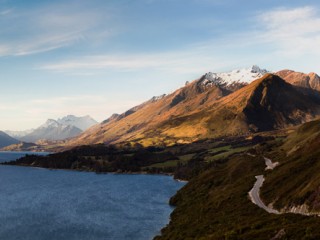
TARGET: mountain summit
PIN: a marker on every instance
(236, 77)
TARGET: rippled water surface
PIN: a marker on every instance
(56, 204)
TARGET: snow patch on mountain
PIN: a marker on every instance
(243, 76)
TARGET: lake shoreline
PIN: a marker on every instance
(88, 171)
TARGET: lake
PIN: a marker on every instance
(58, 204)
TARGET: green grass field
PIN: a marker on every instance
(228, 152)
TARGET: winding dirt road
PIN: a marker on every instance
(254, 193)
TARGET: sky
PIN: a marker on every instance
(101, 57)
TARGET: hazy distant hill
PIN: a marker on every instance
(22, 147)
(18, 134)
(6, 140)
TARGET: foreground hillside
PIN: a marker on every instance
(216, 205)
(297, 176)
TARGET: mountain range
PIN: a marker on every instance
(240, 102)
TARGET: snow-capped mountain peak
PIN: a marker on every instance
(243, 76)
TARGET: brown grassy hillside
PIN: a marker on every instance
(310, 81)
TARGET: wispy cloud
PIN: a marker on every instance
(123, 62)
(48, 28)
(5, 12)
(197, 58)
(195, 61)
(293, 31)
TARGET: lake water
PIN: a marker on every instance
(57, 204)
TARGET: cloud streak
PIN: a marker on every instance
(5, 12)
(293, 31)
(48, 28)
(175, 61)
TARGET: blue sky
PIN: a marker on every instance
(99, 57)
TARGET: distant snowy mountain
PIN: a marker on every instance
(63, 128)
(240, 76)
(80, 122)
(52, 130)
